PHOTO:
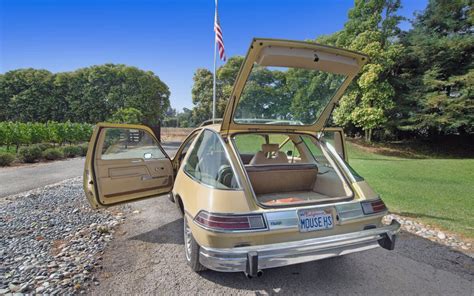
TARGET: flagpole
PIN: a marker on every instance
(214, 74)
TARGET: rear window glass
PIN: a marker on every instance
(285, 96)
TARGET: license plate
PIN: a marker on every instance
(312, 220)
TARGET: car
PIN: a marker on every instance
(266, 186)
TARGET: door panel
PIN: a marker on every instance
(127, 163)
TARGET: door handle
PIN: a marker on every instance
(137, 161)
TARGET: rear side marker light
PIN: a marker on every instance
(222, 222)
(373, 206)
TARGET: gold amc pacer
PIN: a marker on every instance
(267, 185)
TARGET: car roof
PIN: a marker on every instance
(215, 127)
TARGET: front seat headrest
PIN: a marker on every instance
(269, 148)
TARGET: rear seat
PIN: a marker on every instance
(274, 178)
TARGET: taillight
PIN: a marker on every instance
(222, 222)
(373, 206)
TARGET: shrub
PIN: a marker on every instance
(30, 154)
(53, 154)
(6, 158)
(44, 146)
(72, 151)
(84, 148)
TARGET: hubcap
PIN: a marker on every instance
(187, 239)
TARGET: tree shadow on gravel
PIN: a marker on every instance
(170, 233)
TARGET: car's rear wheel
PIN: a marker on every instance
(191, 248)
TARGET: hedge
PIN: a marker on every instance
(6, 158)
(53, 154)
(30, 154)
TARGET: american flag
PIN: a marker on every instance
(219, 36)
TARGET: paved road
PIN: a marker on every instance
(19, 179)
(147, 257)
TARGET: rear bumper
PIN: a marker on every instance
(253, 258)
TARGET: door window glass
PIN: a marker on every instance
(208, 163)
(121, 143)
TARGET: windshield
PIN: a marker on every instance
(285, 96)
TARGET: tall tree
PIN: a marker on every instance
(202, 89)
(437, 71)
(371, 29)
(27, 95)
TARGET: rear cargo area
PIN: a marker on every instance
(276, 184)
(290, 169)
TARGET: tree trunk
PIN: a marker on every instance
(368, 135)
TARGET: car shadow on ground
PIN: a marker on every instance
(316, 276)
(169, 233)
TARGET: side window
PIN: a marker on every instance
(188, 144)
(335, 139)
(249, 143)
(208, 163)
(315, 150)
(120, 143)
(186, 147)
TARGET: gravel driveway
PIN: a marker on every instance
(147, 257)
(52, 240)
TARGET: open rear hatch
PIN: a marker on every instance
(258, 102)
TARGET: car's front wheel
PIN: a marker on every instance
(191, 248)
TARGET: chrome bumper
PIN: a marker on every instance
(252, 258)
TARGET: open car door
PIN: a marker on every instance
(125, 163)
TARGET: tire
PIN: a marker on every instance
(171, 197)
(191, 248)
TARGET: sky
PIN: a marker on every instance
(170, 38)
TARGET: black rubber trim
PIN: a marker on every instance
(280, 167)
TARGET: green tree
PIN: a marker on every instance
(371, 29)
(27, 95)
(436, 72)
(203, 85)
(127, 115)
(90, 94)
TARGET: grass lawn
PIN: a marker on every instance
(437, 191)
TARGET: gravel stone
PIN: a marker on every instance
(51, 238)
(429, 232)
